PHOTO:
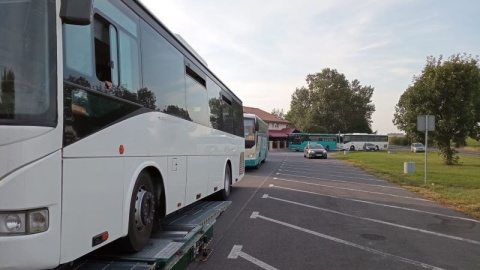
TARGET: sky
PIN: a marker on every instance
(263, 50)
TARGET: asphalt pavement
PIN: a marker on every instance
(297, 213)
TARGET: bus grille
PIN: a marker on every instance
(241, 169)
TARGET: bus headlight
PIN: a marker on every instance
(13, 223)
(38, 221)
(24, 222)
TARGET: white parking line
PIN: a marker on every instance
(338, 240)
(237, 252)
(352, 189)
(332, 168)
(339, 181)
(374, 203)
(379, 221)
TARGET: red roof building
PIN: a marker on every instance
(277, 127)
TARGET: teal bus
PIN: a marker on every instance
(256, 140)
(298, 141)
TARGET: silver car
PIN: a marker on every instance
(417, 147)
(314, 151)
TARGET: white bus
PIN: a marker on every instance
(256, 140)
(108, 123)
(356, 141)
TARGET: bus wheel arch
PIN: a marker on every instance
(160, 198)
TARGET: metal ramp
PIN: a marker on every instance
(184, 238)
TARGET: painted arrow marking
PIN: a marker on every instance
(237, 252)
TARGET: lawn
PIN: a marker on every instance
(455, 186)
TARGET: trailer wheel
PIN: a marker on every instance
(142, 214)
(227, 182)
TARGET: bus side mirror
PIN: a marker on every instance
(77, 12)
(257, 126)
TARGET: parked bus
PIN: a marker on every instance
(256, 140)
(108, 123)
(298, 141)
(356, 141)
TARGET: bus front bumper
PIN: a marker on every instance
(252, 162)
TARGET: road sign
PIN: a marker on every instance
(426, 122)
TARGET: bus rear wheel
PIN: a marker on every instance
(352, 148)
(142, 214)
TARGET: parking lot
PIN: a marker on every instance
(297, 213)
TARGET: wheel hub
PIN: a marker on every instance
(144, 209)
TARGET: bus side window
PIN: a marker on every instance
(105, 51)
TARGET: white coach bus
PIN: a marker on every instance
(356, 141)
(108, 122)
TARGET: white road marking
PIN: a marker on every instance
(380, 221)
(338, 240)
(337, 173)
(237, 252)
(339, 181)
(352, 189)
(337, 166)
(374, 203)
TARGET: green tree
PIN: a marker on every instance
(449, 90)
(331, 104)
(278, 113)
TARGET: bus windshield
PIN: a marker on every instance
(28, 63)
(249, 126)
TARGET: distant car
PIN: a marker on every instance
(370, 147)
(417, 147)
(314, 151)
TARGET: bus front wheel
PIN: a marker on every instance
(227, 184)
(352, 148)
(142, 214)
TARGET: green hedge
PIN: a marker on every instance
(398, 141)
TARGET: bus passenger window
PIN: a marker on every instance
(103, 64)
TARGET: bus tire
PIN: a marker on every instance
(142, 214)
(352, 148)
(223, 194)
(377, 148)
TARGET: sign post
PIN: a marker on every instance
(426, 123)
